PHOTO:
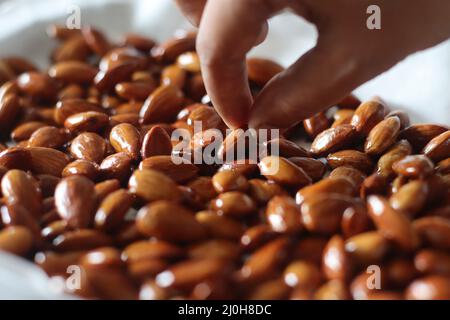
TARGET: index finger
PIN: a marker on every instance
(228, 30)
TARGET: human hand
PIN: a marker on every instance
(347, 53)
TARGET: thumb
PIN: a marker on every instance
(319, 79)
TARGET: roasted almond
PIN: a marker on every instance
(368, 115)
(21, 188)
(162, 105)
(16, 240)
(168, 221)
(414, 166)
(76, 201)
(73, 72)
(333, 139)
(392, 224)
(262, 70)
(397, 152)
(382, 136)
(69, 107)
(420, 134)
(316, 124)
(410, 198)
(234, 203)
(336, 262)
(156, 142)
(116, 166)
(37, 85)
(352, 158)
(88, 146)
(134, 90)
(439, 147)
(85, 168)
(327, 185)
(112, 210)
(126, 138)
(152, 185)
(86, 121)
(48, 137)
(284, 215)
(434, 231)
(283, 171)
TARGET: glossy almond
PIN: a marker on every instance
(315, 169)
(37, 85)
(439, 147)
(420, 134)
(15, 158)
(262, 191)
(189, 61)
(88, 146)
(25, 130)
(392, 224)
(229, 181)
(69, 107)
(368, 115)
(73, 72)
(355, 176)
(410, 198)
(285, 148)
(81, 239)
(168, 221)
(431, 261)
(151, 185)
(284, 215)
(156, 142)
(76, 201)
(220, 226)
(434, 231)
(126, 138)
(173, 75)
(367, 247)
(148, 250)
(21, 188)
(85, 168)
(328, 185)
(397, 152)
(262, 70)
(283, 171)
(17, 240)
(134, 90)
(234, 203)
(302, 274)
(382, 136)
(336, 263)
(432, 287)
(106, 80)
(48, 137)
(86, 121)
(414, 166)
(9, 109)
(333, 139)
(162, 105)
(316, 124)
(352, 158)
(112, 210)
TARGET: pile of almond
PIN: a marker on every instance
(87, 180)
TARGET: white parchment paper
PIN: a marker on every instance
(419, 85)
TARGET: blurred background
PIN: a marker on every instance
(419, 85)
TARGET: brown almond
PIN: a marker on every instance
(173, 75)
(48, 137)
(37, 85)
(112, 210)
(433, 287)
(9, 109)
(25, 130)
(86, 121)
(443, 167)
(216, 248)
(410, 198)
(266, 261)
(126, 138)
(397, 152)
(382, 136)
(333, 139)
(302, 274)
(106, 80)
(284, 215)
(414, 166)
(76, 201)
(352, 158)
(85, 168)
(262, 190)
(74, 48)
(431, 261)
(102, 189)
(434, 231)
(234, 203)
(286, 148)
(220, 226)
(17, 240)
(283, 171)
(392, 224)
(88, 146)
(355, 220)
(420, 134)
(102, 258)
(151, 185)
(116, 166)
(336, 263)
(367, 248)
(178, 172)
(316, 124)
(169, 50)
(229, 181)
(322, 213)
(73, 72)
(189, 61)
(156, 142)
(439, 147)
(327, 185)
(148, 250)
(355, 176)
(315, 169)
(81, 239)
(69, 107)
(402, 115)
(21, 188)
(162, 105)
(373, 184)
(134, 90)
(168, 221)
(332, 290)
(368, 115)
(262, 70)
(15, 158)
(206, 116)
(57, 263)
(96, 40)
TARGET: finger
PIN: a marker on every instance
(192, 9)
(319, 79)
(228, 30)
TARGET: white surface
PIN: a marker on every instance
(420, 84)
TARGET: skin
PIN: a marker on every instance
(347, 54)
